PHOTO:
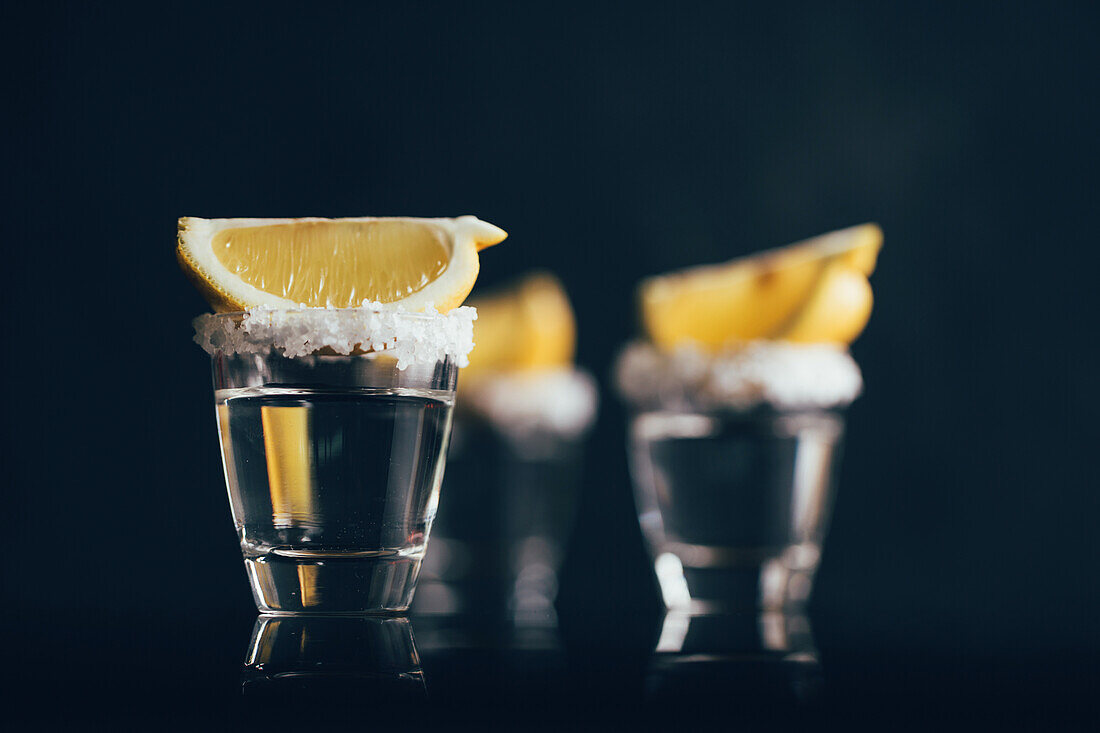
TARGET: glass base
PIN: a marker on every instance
(770, 585)
(282, 585)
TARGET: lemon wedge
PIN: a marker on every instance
(526, 326)
(836, 311)
(241, 263)
(811, 291)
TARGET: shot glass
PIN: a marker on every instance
(733, 460)
(333, 462)
(510, 497)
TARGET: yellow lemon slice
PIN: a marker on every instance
(241, 263)
(811, 291)
(837, 309)
(526, 326)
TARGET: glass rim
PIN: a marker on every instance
(410, 336)
(781, 375)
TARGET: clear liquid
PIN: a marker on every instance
(332, 491)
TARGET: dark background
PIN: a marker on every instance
(612, 143)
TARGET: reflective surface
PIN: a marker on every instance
(762, 657)
(228, 669)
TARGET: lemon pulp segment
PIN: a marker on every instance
(335, 263)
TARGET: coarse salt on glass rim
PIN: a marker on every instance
(778, 374)
(556, 400)
(410, 337)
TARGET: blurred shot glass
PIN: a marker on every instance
(510, 496)
(733, 458)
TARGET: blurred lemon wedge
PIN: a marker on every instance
(836, 310)
(240, 263)
(526, 326)
(811, 291)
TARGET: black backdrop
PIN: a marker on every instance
(612, 143)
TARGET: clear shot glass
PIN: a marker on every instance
(510, 497)
(733, 461)
(333, 464)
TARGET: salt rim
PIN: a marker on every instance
(412, 338)
(780, 374)
(558, 401)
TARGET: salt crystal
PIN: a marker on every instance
(412, 338)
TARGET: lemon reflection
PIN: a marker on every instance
(289, 464)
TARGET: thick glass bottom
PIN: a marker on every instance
(766, 584)
(337, 585)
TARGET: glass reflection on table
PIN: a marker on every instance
(363, 660)
(361, 657)
(760, 658)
